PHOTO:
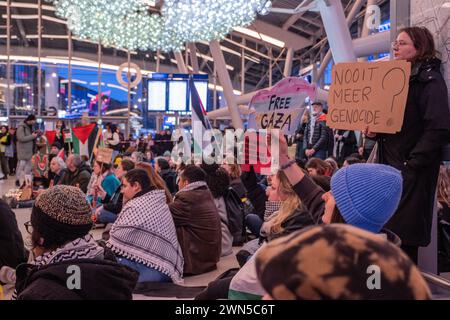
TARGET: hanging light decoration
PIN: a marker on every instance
(205, 20)
(128, 24)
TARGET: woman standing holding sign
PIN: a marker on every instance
(417, 149)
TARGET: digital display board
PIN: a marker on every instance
(157, 95)
(178, 91)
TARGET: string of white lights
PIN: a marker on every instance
(130, 25)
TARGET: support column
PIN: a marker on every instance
(99, 79)
(270, 67)
(225, 80)
(194, 60)
(338, 33)
(39, 73)
(8, 93)
(288, 63)
(365, 28)
(129, 77)
(69, 84)
(158, 60)
(243, 67)
(336, 27)
(180, 62)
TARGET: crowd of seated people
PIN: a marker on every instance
(167, 222)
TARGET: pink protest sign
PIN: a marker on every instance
(281, 107)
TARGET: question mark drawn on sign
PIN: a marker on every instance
(394, 86)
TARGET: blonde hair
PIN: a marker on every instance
(443, 194)
(288, 206)
(155, 179)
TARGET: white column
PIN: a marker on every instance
(338, 33)
(225, 81)
(288, 63)
(365, 28)
(180, 62)
(194, 60)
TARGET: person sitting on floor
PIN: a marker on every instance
(79, 173)
(59, 169)
(107, 184)
(197, 222)
(40, 162)
(218, 181)
(143, 236)
(155, 179)
(60, 222)
(12, 249)
(108, 211)
(363, 195)
(336, 262)
(169, 176)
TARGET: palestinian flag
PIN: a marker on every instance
(51, 136)
(199, 117)
(84, 139)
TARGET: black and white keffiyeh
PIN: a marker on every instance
(145, 233)
(82, 248)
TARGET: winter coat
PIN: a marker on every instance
(100, 280)
(170, 178)
(198, 229)
(238, 187)
(227, 238)
(57, 178)
(12, 250)
(346, 146)
(320, 134)
(5, 140)
(417, 150)
(114, 205)
(25, 142)
(80, 177)
(299, 219)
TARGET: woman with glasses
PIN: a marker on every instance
(417, 149)
(62, 247)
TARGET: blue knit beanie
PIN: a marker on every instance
(367, 195)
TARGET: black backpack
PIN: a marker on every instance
(236, 216)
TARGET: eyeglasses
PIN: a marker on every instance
(400, 44)
(28, 227)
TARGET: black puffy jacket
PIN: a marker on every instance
(100, 280)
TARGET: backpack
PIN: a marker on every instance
(236, 216)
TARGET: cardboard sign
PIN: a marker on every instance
(104, 155)
(281, 107)
(369, 95)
